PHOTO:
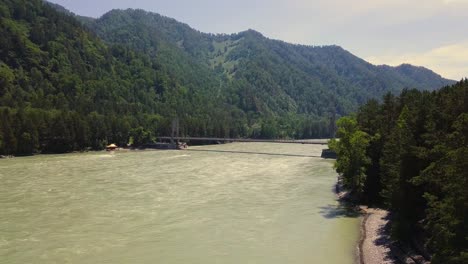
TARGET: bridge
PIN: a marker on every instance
(287, 141)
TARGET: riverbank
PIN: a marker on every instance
(375, 243)
(122, 149)
(376, 246)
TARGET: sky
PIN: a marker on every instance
(429, 33)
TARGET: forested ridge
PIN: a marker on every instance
(409, 154)
(261, 74)
(63, 89)
(70, 83)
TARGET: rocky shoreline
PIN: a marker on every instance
(375, 245)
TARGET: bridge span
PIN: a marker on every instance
(288, 141)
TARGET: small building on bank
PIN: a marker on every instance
(111, 147)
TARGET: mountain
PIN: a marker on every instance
(69, 83)
(62, 88)
(280, 77)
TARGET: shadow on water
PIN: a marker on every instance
(256, 153)
(339, 211)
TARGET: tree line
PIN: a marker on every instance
(409, 153)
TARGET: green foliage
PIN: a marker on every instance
(418, 153)
(351, 150)
(63, 89)
(448, 206)
(139, 136)
(268, 80)
(70, 83)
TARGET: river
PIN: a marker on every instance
(211, 204)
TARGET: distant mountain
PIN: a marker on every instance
(270, 75)
(422, 75)
(62, 88)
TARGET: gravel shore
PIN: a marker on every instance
(374, 247)
(375, 243)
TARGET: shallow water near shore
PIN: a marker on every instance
(211, 204)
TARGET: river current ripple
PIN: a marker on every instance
(235, 203)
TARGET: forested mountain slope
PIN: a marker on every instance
(268, 76)
(69, 82)
(64, 89)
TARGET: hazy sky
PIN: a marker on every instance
(430, 33)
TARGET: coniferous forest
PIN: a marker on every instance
(409, 153)
(70, 83)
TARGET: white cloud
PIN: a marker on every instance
(450, 60)
(455, 1)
